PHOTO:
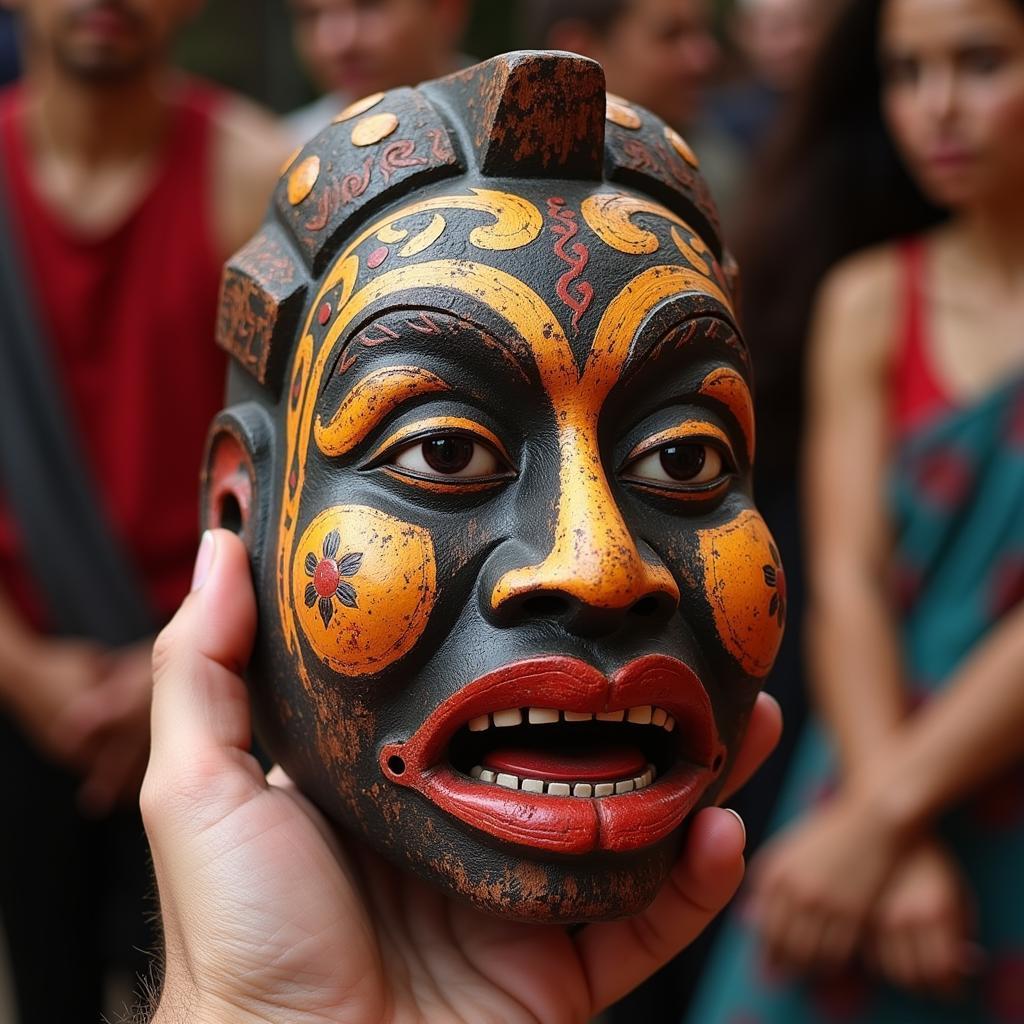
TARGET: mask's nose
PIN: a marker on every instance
(594, 576)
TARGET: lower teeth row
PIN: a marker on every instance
(583, 789)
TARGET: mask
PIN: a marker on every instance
(489, 446)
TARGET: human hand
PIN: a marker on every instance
(269, 918)
(813, 887)
(53, 675)
(114, 714)
(920, 930)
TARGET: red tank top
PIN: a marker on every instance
(917, 393)
(129, 320)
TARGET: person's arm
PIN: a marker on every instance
(815, 885)
(852, 644)
(962, 738)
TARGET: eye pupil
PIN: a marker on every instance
(683, 462)
(448, 454)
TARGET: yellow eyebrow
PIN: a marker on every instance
(725, 385)
(369, 401)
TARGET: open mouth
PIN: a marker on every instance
(552, 754)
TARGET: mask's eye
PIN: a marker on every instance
(452, 456)
(446, 453)
(683, 462)
(692, 461)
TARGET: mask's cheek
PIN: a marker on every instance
(363, 587)
(745, 586)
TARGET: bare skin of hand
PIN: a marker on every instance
(268, 918)
(813, 887)
(55, 675)
(921, 929)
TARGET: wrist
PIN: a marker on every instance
(886, 797)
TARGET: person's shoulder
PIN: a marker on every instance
(864, 283)
(857, 307)
(249, 132)
(250, 149)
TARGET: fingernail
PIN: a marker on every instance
(736, 815)
(204, 559)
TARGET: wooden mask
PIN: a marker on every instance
(489, 446)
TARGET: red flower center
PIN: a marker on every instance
(326, 577)
(780, 584)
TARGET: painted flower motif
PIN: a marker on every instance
(775, 577)
(327, 582)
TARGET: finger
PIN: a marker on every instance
(945, 958)
(898, 958)
(799, 948)
(762, 735)
(770, 909)
(838, 939)
(618, 955)
(201, 723)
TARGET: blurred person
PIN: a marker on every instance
(659, 54)
(335, 933)
(776, 40)
(891, 892)
(354, 48)
(123, 187)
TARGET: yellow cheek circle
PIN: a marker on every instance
(363, 585)
(746, 588)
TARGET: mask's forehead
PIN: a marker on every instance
(549, 258)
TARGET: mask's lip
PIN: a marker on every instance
(560, 824)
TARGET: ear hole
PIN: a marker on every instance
(230, 513)
(230, 484)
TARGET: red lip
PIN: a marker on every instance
(558, 824)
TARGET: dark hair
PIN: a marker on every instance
(540, 16)
(831, 185)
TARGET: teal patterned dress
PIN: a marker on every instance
(957, 503)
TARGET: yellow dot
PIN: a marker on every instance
(680, 146)
(622, 114)
(359, 107)
(302, 179)
(374, 128)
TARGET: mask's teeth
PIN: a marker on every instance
(640, 715)
(542, 716)
(576, 789)
(643, 715)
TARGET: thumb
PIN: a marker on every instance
(201, 722)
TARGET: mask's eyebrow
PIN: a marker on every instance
(370, 400)
(725, 385)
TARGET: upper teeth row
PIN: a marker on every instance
(584, 789)
(642, 715)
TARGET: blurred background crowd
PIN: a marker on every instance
(868, 160)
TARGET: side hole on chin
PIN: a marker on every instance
(716, 765)
(396, 765)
